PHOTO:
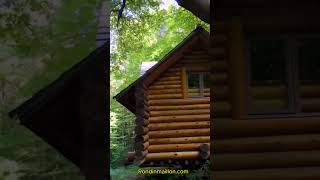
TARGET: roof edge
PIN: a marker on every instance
(21, 110)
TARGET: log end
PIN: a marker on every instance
(129, 159)
(204, 147)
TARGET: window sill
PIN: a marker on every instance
(284, 116)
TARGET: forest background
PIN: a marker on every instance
(40, 39)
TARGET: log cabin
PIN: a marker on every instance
(271, 128)
(171, 101)
(69, 114)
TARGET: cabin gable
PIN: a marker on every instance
(166, 116)
(197, 38)
(172, 119)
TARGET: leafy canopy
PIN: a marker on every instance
(146, 32)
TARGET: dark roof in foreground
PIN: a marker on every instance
(45, 95)
(64, 112)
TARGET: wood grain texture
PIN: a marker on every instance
(179, 133)
(172, 155)
(268, 144)
(180, 140)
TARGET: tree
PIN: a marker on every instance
(200, 8)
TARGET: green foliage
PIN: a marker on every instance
(20, 29)
(124, 173)
(36, 160)
(121, 133)
(55, 34)
(68, 41)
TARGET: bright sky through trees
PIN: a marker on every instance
(166, 3)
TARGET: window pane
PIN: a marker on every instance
(206, 80)
(267, 61)
(193, 84)
(309, 59)
(268, 75)
(309, 74)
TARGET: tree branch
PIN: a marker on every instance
(121, 10)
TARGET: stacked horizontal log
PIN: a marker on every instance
(142, 116)
(219, 87)
(180, 140)
(195, 92)
(250, 147)
(275, 98)
(219, 75)
(282, 143)
(180, 117)
(179, 133)
(174, 147)
(310, 97)
(268, 127)
(172, 155)
(296, 173)
(269, 98)
(177, 125)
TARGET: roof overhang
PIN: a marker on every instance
(53, 112)
(224, 9)
(269, 16)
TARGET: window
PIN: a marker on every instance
(308, 55)
(198, 84)
(269, 88)
(268, 61)
(284, 74)
(309, 60)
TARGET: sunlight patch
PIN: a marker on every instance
(165, 4)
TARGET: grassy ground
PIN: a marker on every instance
(24, 156)
(131, 173)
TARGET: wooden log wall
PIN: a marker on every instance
(178, 126)
(310, 97)
(219, 75)
(142, 116)
(266, 148)
(270, 98)
(249, 147)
